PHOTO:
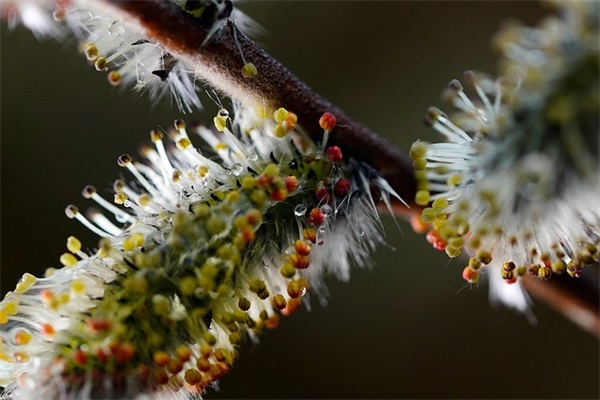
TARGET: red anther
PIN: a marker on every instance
(302, 247)
(327, 121)
(434, 238)
(322, 195)
(342, 187)
(80, 357)
(160, 377)
(292, 305)
(248, 234)
(47, 330)
(98, 325)
(298, 261)
(290, 122)
(310, 234)
(264, 181)
(316, 217)
(272, 322)
(291, 183)
(123, 353)
(334, 154)
(469, 275)
(102, 355)
(278, 194)
(512, 280)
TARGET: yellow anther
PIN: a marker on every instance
(233, 196)
(457, 242)
(114, 78)
(73, 244)
(104, 248)
(6, 358)
(22, 337)
(26, 282)
(132, 241)
(484, 256)
(202, 171)
(220, 122)
(11, 307)
(220, 146)
(248, 182)
(120, 198)
(63, 298)
(428, 215)
(3, 316)
(280, 131)
(249, 70)
(183, 143)
(454, 180)
(422, 197)
(22, 356)
(418, 150)
(258, 197)
(101, 64)
(144, 199)
(209, 338)
(474, 264)
(215, 225)
(91, 51)
(201, 210)
(280, 115)
(419, 164)
(559, 266)
(68, 260)
(441, 216)
(77, 287)
(452, 251)
(440, 204)
(188, 285)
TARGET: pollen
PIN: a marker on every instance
(249, 70)
(25, 284)
(68, 260)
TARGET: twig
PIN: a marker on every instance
(220, 62)
(577, 299)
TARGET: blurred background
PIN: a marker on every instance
(409, 328)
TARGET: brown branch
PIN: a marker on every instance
(578, 299)
(219, 62)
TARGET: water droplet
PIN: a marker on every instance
(361, 233)
(252, 157)
(326, 209)
(116, 29)
(236, 169)
(121, 218)
(302, 291)
(300, 210)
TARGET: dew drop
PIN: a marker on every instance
(326, 209)
(116, 29)
(252, 157)
(236, 169)
(300, 210)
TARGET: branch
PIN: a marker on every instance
(219, 62)
(577, 299)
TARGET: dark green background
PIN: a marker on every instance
(407, 329)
